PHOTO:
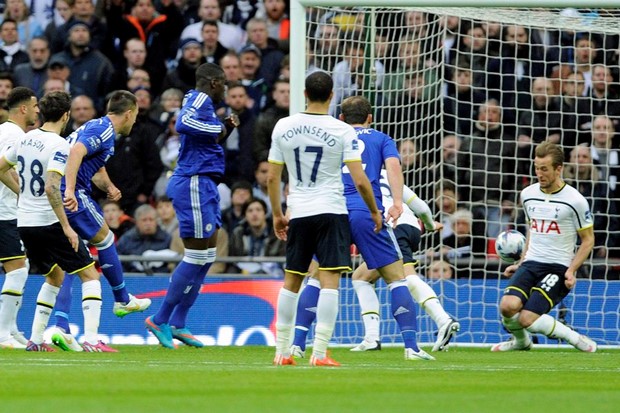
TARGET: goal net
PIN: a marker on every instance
(467, 93)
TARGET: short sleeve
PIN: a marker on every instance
(351, 146)
(583, 218)
(389, 148)
(91, 140)
(58, 158)
(10, 154)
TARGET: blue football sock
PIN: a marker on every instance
(306, 311)
(112, 268)
(179, 315)
(403, 310)
(63, 303)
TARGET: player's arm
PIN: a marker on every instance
(102, 180)
(76, 155)
(230, 122)
(201, 123)
(586, 235)
(274, 179)
(363, 187)
(396, 181)
(421, 210)
(8, 176)
(52, 190)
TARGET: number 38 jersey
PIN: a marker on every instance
(554, 220)
(35, 154)
(313, 147)
(9, 134)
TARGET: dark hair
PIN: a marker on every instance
(163, 198)
(18, 96)
(241, 185)
(8, 20)
(547, 148)
(319, 86)
(121, 101)
(7, 76)
(355, 110)
(251, 201)
(207, 72)
(54, 105)
(210, 23)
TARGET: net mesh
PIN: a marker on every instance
(467, 93)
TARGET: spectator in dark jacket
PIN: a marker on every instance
(11, 53)
(158, 28)
(91, 70)
(184, 75)
(268, 119)
(239, 145)
(254, 237)
(146, 239)
(33, 73)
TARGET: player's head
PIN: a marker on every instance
(211, 79)
(356, 110)
(22, 101)
(123, 105)
(55, 106)
(319, 86)
(548, 164)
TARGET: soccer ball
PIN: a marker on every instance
(509, 246)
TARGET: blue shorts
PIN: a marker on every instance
(196, 201)
(378, 250)
(88, 219)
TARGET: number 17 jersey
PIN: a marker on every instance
(313, 147)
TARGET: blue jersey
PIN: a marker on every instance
(98, 137)
(199, 129)
(375, 147)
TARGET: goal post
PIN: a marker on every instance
(440, 74)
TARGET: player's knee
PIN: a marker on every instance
(510, 305)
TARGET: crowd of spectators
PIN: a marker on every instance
(466, 101)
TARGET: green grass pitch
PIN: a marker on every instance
(241, 379)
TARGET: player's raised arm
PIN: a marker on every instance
(197, 117)
(76, 155)
(363, 187)
(420, 209)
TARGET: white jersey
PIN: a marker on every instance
(9, 134)
(313, 147)
(554, 220)
(414, 206)
(37, 153)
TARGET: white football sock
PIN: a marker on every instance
(45, 304)
(426, 297)
(517, 330)
(285, 318)
(326, 314)
(369, 306)
(10, 300)
(553, 328)
(91, 308)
